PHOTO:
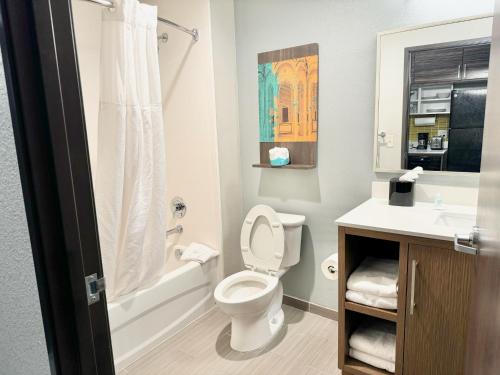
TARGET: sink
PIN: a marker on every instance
(456, 220)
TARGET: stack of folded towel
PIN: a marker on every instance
(375, 283)
(375, 344)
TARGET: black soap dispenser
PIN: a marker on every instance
(401, 193)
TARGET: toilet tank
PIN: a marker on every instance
(292, 225)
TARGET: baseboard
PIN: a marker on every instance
(311, 307)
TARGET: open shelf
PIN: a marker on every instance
(355, 367)
(429, 113)
(436, 99)
(354, 246)
(289, 166)
(390, 315)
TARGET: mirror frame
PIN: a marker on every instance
(377, 169)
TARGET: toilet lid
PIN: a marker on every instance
(262, 240)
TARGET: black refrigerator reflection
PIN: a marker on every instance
(465, 138)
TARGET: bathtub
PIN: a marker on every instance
(144, 319)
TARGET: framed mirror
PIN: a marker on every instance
(431, 89)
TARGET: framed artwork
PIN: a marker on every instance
(288, 103)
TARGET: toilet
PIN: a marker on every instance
(270, 245)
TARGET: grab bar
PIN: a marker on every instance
(176, 229)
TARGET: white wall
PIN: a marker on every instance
(190, 124)
(87, 23)
(346, 32)
(22, 339)
(228, 136)
(187, 81)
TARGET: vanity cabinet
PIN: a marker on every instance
(433, 299)
(436, 326)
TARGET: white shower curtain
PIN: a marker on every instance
(130, 186)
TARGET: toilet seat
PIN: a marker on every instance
(262, 240)
(237, 280)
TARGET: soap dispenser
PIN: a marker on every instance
(438, 202)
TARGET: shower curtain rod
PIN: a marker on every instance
(193, 32)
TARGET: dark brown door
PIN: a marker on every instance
(438, 287)
(39, 55)
(437, 65)
(483, 345)
(476, 62)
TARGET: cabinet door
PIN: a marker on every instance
(476, 62)
(428, 162)
(437, 65)
(439, 284)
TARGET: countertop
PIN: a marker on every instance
(414, 151)
(421, 220)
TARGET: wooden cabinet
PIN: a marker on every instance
(452, 64)
(431, 335)
(428, 162)
(436, 327)
(436, 65)
(476, 62)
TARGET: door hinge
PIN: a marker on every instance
(94, 288)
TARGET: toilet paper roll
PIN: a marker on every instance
(330, 267)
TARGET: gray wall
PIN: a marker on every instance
(22, 340)
(346, 33)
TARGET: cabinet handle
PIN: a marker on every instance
(414, 265)
(465, 71)
(459, 69)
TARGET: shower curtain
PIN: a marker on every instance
(130, 186)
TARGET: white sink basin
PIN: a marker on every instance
(456, 220)
(422, 220)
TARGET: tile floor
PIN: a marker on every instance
(307, 345)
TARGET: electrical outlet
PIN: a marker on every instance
(389, 140)
(442, 133)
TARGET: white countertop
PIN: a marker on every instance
(421, 220)
(414, 151)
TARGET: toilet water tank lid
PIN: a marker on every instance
(291, 220)
(262, 240)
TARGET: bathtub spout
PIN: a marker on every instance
(176, 229)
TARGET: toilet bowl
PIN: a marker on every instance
(270, 244)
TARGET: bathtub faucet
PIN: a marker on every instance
(176, 229)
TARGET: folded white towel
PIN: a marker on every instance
(199, 253)
(376, 276)
(377, 339)
(390, 303)
(371, 360)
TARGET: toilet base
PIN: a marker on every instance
(256, 331)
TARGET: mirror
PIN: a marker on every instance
(431, 96)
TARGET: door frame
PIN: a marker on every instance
(42, 75)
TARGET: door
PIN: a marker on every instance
(467, 107)
(43, 85)
(436, 65)
(464, 150)
(439, 286)
(483, 344)
(465, 136)
(476, 62)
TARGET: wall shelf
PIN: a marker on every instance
(390, 315)
(355, 367)
(429, 113)
(289, 166)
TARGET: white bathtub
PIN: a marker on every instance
(144, 319)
